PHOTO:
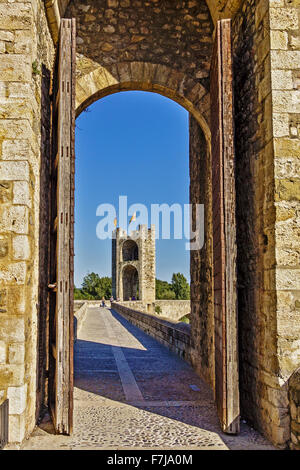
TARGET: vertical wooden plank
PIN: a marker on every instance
(61, 387)
(233, 409)
(4, 409)
(224, 230)
(71, 225)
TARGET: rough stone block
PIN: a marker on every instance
(276, 3)
(287, 167)
(14, 219)
(21, 247)
(15, 108)
(285, 59)
(12, 329)
(21, 193)
(2, 352)
(287, 279)
(15, 68)
(281, 124)
(13, 273)
(285, 147)
(15, 149)
(17, 399)
(286, 101)
(279, 40)
(11, 170)
(287, 190)
(19, 90)
(124, 72)
(23, 42)
(16, 428)
(279, 398)
(11, 375)
(5, 191)
(16, 353)
(284, 18)
(3, 247)
(7, 36)
(11, 129)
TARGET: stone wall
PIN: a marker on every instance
(91, 303)
(175, 336)
(171, 309)
(202, 312)
(285, 86)
(26, 53)
(267, 205)
(79, 317)
(162, 46)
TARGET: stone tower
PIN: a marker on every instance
(133, 264)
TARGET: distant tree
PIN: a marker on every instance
(94, 287)
(79, 295)
(90, 285)
(163, 290)
(105, 287)
(168, 294)
(180, 286)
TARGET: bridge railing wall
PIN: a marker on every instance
(79, 317)
(176, 336)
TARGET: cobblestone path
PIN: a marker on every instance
(132, 392)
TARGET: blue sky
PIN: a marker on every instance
(134, 144)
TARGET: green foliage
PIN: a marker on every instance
(180, 286)
(80, 295)
(185, 319)
(163, 290)
(94, 287)
(105, 287)
(179, 289)
(158, 310)
(35, 68)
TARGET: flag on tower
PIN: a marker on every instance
(133, 217)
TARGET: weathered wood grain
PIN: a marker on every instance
(224, 231)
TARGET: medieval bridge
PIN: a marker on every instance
(131, 392)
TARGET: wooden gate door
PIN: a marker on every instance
(62, 232)
(224, 231)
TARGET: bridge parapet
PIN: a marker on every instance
(173, 335)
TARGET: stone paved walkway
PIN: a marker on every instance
(133, 393)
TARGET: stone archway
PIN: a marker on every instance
(130, 251)
(185, 41)
(112, 59)
(130, 282)
(95, 81)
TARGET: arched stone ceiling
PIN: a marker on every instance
(218, 9)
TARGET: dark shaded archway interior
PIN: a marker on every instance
(130, 282)
(130, 251)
